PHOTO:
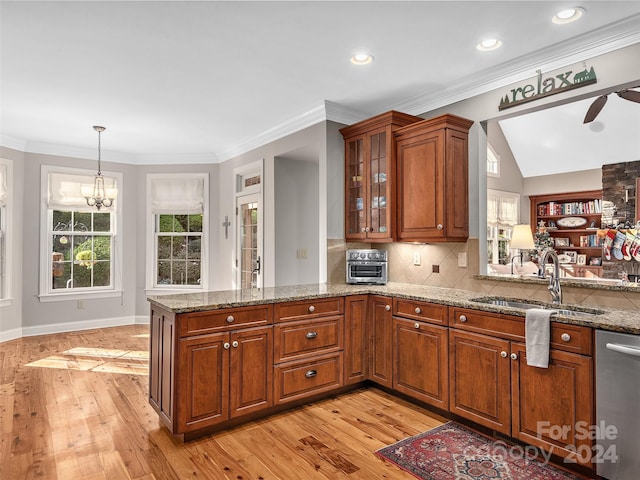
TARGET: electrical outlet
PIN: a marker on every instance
(462, 259)
(435, 268)
(301, 254)
(416, 258)
(80, 304)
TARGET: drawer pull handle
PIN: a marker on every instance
(312, 308)
(463, 318)
(230, 319)
(311, 334)
(235, 344)
(226, 345)
(387, 308)
(416, 325)
(503, 354)
(418, 310)
(565, 337)
(311, 373)
(514, 356)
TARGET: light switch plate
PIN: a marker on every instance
(462, 259)
(416, 258)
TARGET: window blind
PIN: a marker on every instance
(177, 195)
(65, 190)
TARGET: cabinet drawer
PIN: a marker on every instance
(572, 338)
(503, 326)
(415, 310)
(320, 307)
(198, 323)
(310, 337)
(297, 380)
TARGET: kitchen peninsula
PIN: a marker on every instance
(219, 359)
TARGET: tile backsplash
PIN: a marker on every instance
(445, 256)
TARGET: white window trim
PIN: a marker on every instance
(6, 269)
(150, 287)
(45, 295)
(492, 152)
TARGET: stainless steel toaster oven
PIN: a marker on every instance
(367, 266)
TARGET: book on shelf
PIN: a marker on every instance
(570, 208)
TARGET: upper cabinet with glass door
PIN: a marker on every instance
(370, 176)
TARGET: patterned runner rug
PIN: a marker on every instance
(452, 451)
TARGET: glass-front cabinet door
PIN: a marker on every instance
(368, 187)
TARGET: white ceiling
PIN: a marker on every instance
(204, 81)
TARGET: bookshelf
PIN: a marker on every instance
(573, 220)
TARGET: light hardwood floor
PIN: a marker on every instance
(74, 406)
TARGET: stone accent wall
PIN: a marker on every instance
(617, 179)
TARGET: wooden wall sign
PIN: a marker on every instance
(543, 87)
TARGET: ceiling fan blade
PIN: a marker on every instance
(595, 108)
(631, 95)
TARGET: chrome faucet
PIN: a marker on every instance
(554, 276)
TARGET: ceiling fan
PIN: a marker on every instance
(598, 103)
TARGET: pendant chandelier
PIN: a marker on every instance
(99, 196)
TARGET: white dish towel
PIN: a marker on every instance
(537, 334)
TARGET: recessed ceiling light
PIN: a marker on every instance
(489, 44)
(361, 59)
(568, 15)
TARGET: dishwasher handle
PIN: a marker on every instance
(627, 349)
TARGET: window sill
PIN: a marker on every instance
(172, 291)
(64, 297)
(5, 302)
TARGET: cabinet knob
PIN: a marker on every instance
(514, 356)
(418, 310)
(230, 319)
(416, 325)
(503, 354)
(565, 337)
(439, 227)
(463, 318)
(387, 308)
(311, 334)
(312, 309)
(363, 230)
(235, 344)
(311, 373)
(226, 345)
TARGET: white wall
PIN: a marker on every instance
(311, 141)
(296, 221)
(335, 181)
(563, 182)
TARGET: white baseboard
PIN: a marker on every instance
(72, 326)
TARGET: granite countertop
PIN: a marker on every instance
(624, 321)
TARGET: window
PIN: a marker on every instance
(177, 243)
(79, 249)
(179, 249)
(502, 215)
(493, 162)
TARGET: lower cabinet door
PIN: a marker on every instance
(251, 379)
(380, 353)
(479, 379)
(553, 407)
(296, 380)
(356, 339)
(420, 368)
(203, 386)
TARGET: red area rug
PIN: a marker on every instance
(452, 451)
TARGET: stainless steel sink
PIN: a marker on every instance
(524, 305)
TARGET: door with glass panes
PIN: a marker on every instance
(249, 241)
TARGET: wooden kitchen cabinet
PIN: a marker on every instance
(370, 177)
(162, 363)
(308, 348)
(356, 339)
(492, 385)
(420, 366)
(432, 180)
(381, 340)
(223, 376)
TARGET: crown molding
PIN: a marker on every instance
(13, 143)
(584, 47)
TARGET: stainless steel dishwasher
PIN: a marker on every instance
(617, 452)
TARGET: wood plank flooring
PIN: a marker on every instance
(74, 406)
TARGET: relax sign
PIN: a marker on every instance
(543, 87)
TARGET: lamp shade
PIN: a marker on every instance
(522, 237)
